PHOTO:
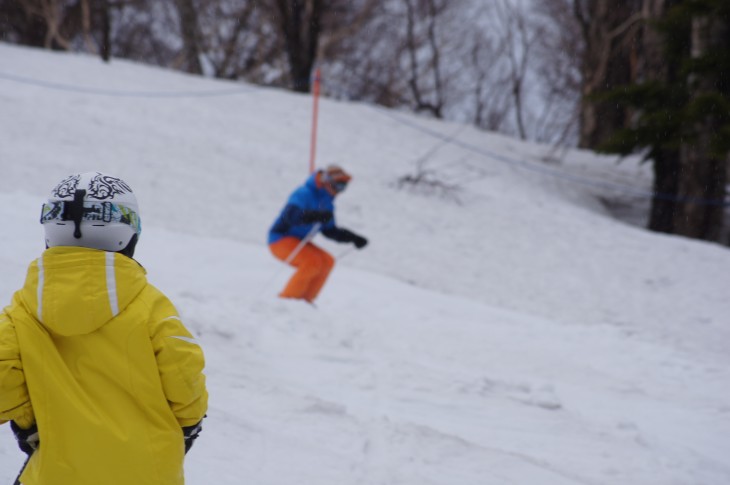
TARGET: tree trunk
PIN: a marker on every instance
(106, 28)
(300, 22)
(666, 184)
(652, 61)
(701, 191)
(86, 26)
(606, 26)
(653, 66)
(415, 45)
(702, 175)
(21, 18)
(189, 32)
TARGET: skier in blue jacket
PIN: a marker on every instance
(309, 210)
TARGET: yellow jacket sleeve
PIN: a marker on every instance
(180, 361)
(14, 398)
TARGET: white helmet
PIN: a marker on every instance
(92, 210)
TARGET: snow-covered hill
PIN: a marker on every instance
(508, 331)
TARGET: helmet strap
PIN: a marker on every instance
(74, 211)
(129, 250)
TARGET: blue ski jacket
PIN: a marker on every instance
(305, 204)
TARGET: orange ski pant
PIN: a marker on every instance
(313, 266)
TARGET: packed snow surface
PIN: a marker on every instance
(500, 328)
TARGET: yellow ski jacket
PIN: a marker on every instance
(100, 360)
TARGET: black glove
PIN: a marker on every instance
(190, 434)
(28, 439)
(359, 241)
(309, 217)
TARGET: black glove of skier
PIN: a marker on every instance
(190, 434)
(310, 217)
(28, 439)
(359, 241)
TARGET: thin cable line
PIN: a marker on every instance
(125, 93)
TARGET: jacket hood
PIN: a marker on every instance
(312, 185)
(75, 291)
(311, 182)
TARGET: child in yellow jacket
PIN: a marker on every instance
(100, 379)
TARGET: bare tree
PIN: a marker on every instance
(447, 58)
(19, 23)
(78, 25)
(425, 12)
(105, 25)
(188, 16)
(491, 93)
(55, 15)
(58, 20)
(300, 25)
(361, 53)
(609, 28)
(558, 75)
(520, 38)
(343, 20)
(145, 32)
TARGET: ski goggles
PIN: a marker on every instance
(338, 186)
(338, 182)
(105, 212)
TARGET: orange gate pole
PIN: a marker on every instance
(315, 116)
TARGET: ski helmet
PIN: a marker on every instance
(335, 179)
(92, 210)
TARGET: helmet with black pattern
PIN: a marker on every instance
(92, 210)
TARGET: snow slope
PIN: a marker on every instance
(509, 331)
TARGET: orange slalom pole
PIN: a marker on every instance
(315, 116)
